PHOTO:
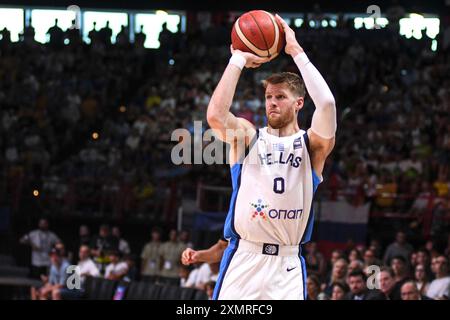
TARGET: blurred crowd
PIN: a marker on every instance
(89, 126)
(397, 271)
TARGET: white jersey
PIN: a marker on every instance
(273, 189)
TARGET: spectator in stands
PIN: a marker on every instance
(358, 289)
(370, 259)
(86, 268)
(170, 252)
(28, 34)
(200, 276)
(117, 269)
(5, 36)
(313, 289)
(355, 265)
(440, 287)
(421, 279)
(185, 238)
(73, 35)
(42, 241)
(105, 35)
(387, 284)
(338, 274)
(124, 247)
(84, 235)
(151, 257)
(94, 34)
(340, 291)
(183, 274)
(123, 38)
(56, 35)
(210, 289)
(315, 262)
(375, 246)
(61, 247)
(354, 255)
(398, 248)
(400, 268)
(409, 291)
(140, 37)
(423, 258)
(101, 244)
(55, 280)
(132, 274)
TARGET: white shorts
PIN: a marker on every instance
(248, 274)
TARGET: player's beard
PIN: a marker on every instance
(281, 120)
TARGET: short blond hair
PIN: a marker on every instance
(293, 81)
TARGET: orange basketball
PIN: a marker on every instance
(258, 32)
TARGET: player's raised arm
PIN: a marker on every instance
(218, 115)
(323, 124)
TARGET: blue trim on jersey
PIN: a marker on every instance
(304, 275)
(224, 264)
(310, 224)
(229, 230)
(306, 138)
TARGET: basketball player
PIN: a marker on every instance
(274, 177)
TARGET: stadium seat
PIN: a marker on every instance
(200, 295)
(99, 288)
(143, 291)
(169, 292)
(169, 281)
(187, 293)
(6, 260)
(136, 291)
(13, 271)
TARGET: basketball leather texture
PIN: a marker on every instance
(258, 32)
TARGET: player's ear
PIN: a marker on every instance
(299, 103)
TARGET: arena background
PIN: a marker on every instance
(86, 125)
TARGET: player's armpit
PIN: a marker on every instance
(231, 128)
(320, 149)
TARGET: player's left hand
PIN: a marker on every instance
(292, 47)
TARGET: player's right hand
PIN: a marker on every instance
(292, 46)
(187, 257)
(253, 61)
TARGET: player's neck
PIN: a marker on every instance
(288, 130)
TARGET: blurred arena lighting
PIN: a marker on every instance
(161, 13)
(171, 62)
(12, 19)
(122, 109)
(116, 21)
(298, 22)
(95, 135)
(434, 45)
(36, 193)
(152, 24)
(416, 23)
(369, 23)
(324, 23)
(42, 20)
